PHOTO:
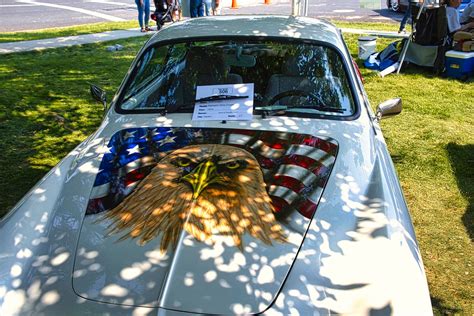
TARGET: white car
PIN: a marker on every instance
(238, 170)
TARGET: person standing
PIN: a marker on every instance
(196, 8)
(177, 10)
(216, 9)
(143, 7)
(207, 7)
(405, 17)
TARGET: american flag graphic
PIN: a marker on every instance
(295, 166)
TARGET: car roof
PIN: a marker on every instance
(292, 27)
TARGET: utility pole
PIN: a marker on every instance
(305, 8)
(299, 7)
(295, 4)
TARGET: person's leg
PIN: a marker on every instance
(207, 7)
(147, 13)
(140, 13)
(405, 17)
(177, 10)
(200, 8)
(193, 8)
(214, 7)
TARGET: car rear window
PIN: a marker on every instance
(289, 78)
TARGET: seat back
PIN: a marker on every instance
(203, 67)
(318, 85)
(290, 79)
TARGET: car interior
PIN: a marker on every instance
(303, 78)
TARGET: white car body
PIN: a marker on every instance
(358, 256)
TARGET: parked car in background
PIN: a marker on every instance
(402, 5)
(239, 169)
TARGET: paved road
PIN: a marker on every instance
(20, 15)
(350, 10)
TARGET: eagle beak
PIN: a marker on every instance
(203, 175)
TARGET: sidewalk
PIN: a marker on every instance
(26, 46)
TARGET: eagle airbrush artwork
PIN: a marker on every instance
(159, 182)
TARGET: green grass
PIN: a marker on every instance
(432, 145)
(377, 26)
(66, 31)
(46, 110)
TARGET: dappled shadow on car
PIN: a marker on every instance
(462, 158)
(398, 158)
(339, 258)
(386, 310)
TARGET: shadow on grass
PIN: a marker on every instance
(462, 160)
(441, 308)
(46, 108)
(398, 158)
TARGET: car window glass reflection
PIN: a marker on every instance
(304, 79)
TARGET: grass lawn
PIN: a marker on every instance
(391, 26)
(46, 110)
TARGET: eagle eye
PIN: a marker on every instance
(232, 165)
(183, 162)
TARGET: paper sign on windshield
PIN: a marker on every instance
(232, 102)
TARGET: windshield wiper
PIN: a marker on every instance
(219, 97)
(327, 109)
(281, 109)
